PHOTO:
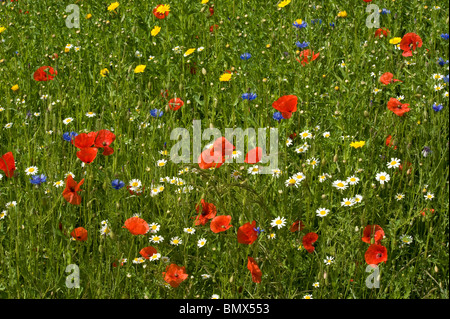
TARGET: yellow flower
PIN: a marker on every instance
(189, 52)
(268, 45)
(163, 8)
(284, 3)
(357, 144)
(342, 14)
(15, 87)
(155, 31)
(336, 88)
(205, 1)
(104, 72)
(88, 16)
(113, 6)
(2, 29)
(139, 69)
(395, 40)
(225, 77)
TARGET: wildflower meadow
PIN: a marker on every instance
(204, 149)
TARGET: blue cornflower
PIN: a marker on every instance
(69, 136)
(156, 113)
(259, 230)
(437, 107)
(301, 45)
(300, 24)
(332, 24)
(277, 116)
(117, 184)
(314, 21)
(249, 96)
(445, 78)
(38, 179)
(444, 36)
(442, 62)
(385, 11)
(246, 56)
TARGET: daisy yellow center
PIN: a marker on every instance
(393, 162)
(175, 241)
(352, 179)
(322, 212)
(382, 178)
(340, 184)
(348, 203)
(31, 169)
(161, 164)
(292, 181)
(255, 169)
(305, 134)
(278, 222)
(156, 238)
(135, 184)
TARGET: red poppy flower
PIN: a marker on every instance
(409, 43)
(307, 56)
(211, 11)
(375, 254)
(160, 13)
(7, 164)
(70, 193)
(136, 225)
(297, 225)
(84, 140)
(247, 233)
(103, 140)
(429, 210)
(388, 142)
(87, 155)
(367, 0)
(254, 270)
(286, 104)
(147, 252)
(379, 31)
(175, 104)
(254, 156)
(397, 107)
(224, 145)
(211, 28)
(209, 158)
(165, 94)
(208, 212)
(388, 78)
(373, 231)
(79, 233)
(175, 275)
(220, 223)
(41, 75)
(308, 240)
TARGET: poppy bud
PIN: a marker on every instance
(335, 158)
(366, 114)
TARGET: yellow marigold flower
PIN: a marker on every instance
(15, 87)
(2, 29)
(189, 52)
(357, 144)
(113, 6)
(342, 14)
(104, 72)
(88, 16)
(139, 69)
(225, 77)
(284, 3)
(155, 31)
(163, 8)
(395, 40)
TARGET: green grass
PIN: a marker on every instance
(34, 252)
